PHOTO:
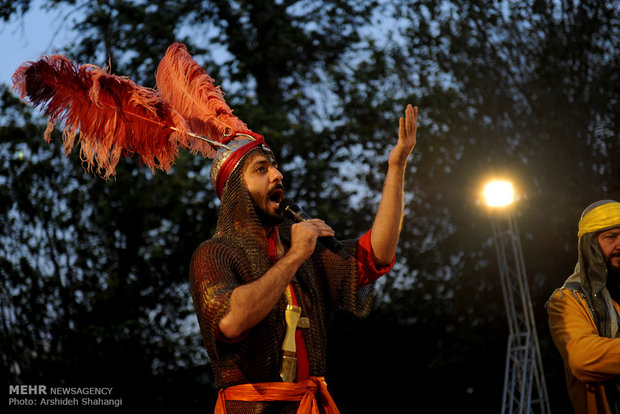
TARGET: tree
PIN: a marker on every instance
(105, 263)
(95, 272)
(498, 96)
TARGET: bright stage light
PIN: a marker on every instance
(498, 193)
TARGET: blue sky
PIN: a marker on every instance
(28, 38)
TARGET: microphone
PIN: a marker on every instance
(295, 213)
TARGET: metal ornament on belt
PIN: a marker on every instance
(288, 372)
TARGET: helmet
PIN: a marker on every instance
(230, 154)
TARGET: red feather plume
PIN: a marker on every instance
(191, 92)
(113, 115)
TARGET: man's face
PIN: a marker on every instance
(264, 183)
(609, 242)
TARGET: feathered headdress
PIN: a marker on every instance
(191, 92)
(115, 116)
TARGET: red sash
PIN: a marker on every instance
(305, 391)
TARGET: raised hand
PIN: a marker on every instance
(407, 129)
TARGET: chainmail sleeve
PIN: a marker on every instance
(341, 278)
(337, 277)
(216, 270)
(212, 280)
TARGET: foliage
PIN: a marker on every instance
(94, 273)
(525, 90)
(94, 277)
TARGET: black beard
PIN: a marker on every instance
(268, 220)
(610, 267)
(613, 280)
(613, 276)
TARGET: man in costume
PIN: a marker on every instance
(583, 314)
(264, 289)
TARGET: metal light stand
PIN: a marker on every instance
(525, 390)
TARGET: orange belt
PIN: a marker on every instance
(304, 391)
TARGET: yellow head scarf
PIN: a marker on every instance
(605, 215)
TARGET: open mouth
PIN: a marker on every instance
(276, 196)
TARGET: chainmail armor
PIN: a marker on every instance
(238, 254)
